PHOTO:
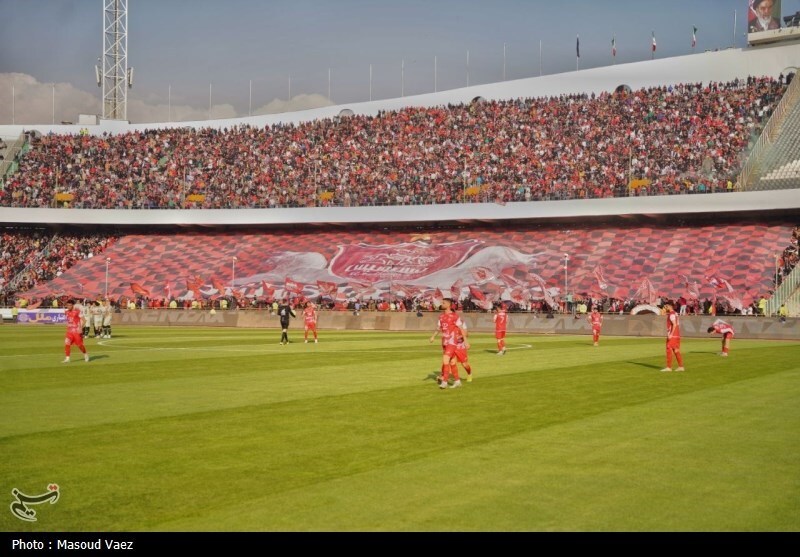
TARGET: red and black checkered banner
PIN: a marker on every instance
(510, 263)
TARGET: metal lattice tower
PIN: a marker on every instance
(115, 77)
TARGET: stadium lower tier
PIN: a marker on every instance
(487, 264)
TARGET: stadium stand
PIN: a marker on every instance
(524, 175)
(687, 138)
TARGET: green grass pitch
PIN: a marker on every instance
(199, 429)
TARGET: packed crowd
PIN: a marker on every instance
(31, 256)
(688, 138)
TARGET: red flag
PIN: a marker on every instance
(602, 284)
(216, 283)
(168, 290)
(137, 288)
(193, 285)
(520, 295)
(437, 297)
(733, 300)
(292, 286)
(718, 282)
(477, 294)
(646, 292)
(267, 290)
(692, 288)
(328, 289)
(548, 298)
(34, 305)
(482, 274)
(455, 289)
(409, 290)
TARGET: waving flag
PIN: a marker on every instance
(734, 301)
(327, 289)
(692, 288)
(602, 284)
(718, 282)
(646, 292)
(267, 290)
(548, 298)
(455, 289)
(482, 274)
(578, 47)
(694, 36)
(476, 294)
(654, 41)
(292, 286)
(168, 290)
(216, 283)
(408, 290)
(193, 285)
(614, 46)
(137, 288)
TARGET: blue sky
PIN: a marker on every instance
(183, 45)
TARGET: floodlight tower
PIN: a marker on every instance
(115, 78)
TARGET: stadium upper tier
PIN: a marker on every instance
(686, 138)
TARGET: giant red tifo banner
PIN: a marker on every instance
(507, 262)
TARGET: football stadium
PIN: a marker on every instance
(441, 312)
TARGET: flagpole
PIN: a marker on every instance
(577, 53)
(468, 68)
(734, 28)
(540, 57)
(504, 61)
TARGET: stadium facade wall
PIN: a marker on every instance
(613, 325)
(757, 202)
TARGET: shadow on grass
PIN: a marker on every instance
(649, 366)
(93, 357)
(432, 376)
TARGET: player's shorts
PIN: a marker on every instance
(596, 329)
(106, 321)
(450, 350)
(311, 326)
(499, 334)
(674, 343)
(726, 336)
(73, 338)
(460, 354)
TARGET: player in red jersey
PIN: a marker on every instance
(310, 318)
(74, 331)
(596, 319)
(500, 318)
(461, 356)
(726, 330)
(673, 338)
(452, 329)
